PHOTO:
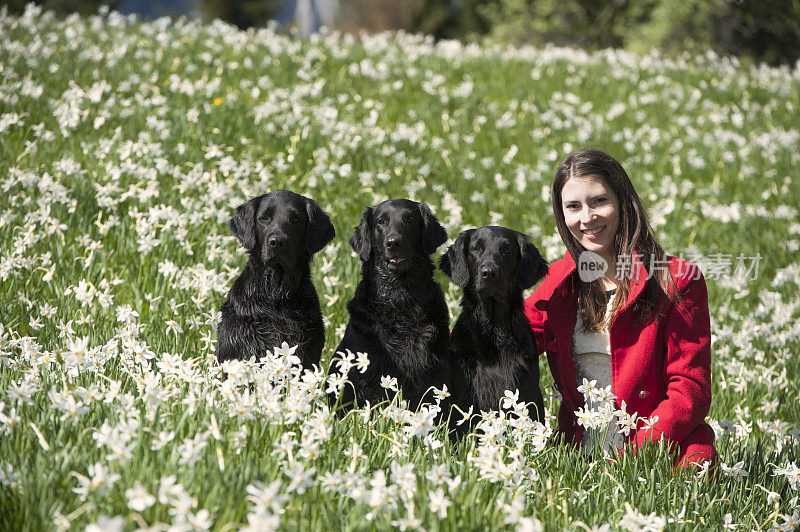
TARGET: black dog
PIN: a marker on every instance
(492, 348)
(398, 315)
(273, 300)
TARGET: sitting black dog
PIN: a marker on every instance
(398, 315)
(492, 347)
(273, 300)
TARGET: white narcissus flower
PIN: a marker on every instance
(510, 398)
(161, 440)
(362, 362)
(792, 474)
(201, 521)
(404, 477)
(335, 383)
(420, 423)
(390, 383)
(22, 392)
(172, 326)
(8, 477)
(9, 420)
(284, 350)
(139, 499)
(260, 522)
(438, 474)
(300, 478)
(465, 416)
(790, 522)
(649, 423)
(587, 388)
(344, 361)
(98, 480)
(107, 524)
(635, 521)
(585, 417)
(191, 449)
(736, 470)
(529, 524)
(439, 503)
(441, 394)
(47, 310)
(626, 422)
(266, 498)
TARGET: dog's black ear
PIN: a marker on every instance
(454, 262)
(532, 266)
(319, 230)
(241, 225)
(433, 234)
(361, 241)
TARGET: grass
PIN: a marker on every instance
(97, 124)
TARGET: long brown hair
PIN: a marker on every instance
(634, 235)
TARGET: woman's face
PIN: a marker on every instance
(591, 212)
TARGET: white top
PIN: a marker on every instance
(591, 353)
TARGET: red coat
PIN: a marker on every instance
(658, 367)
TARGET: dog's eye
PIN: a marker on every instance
(477, 248)
(265, 218)
(381, 221)
(408, 221)
(505, 250)
(294, 219)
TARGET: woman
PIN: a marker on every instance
(627, 316)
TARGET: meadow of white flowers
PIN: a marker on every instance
(126, 145)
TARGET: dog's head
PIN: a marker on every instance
(493, 261)
(397, 235)
(281, 227)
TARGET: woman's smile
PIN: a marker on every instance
(591, 213)
(591, 233)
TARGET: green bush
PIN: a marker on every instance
(584, 23)
(760, 31)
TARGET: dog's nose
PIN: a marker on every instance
(276, 242)
(392, 242)
(487, 272)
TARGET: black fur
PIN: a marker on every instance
(398, 314)
(492, 348)
(273, 300)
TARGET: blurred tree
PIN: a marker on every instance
(444, 19)
(677, 26)
(762, 31)
(375, 15)
(62, 7)
(453, 19)
(591, 24)
(242, 13)
(765, 31)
